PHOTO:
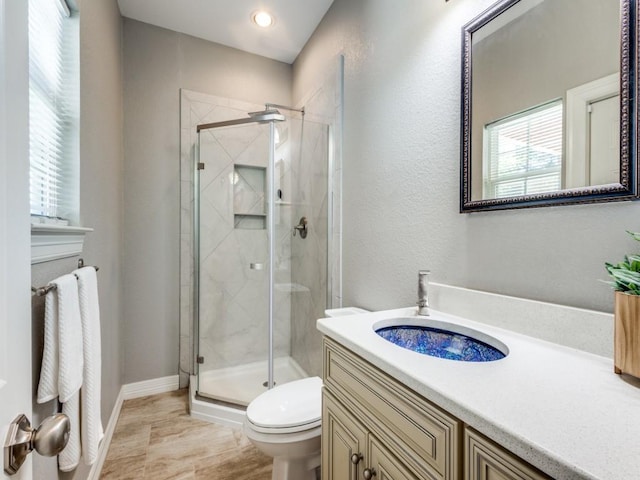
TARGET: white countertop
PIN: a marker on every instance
(562, 410)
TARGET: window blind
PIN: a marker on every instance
(524, 153)
(53, 109)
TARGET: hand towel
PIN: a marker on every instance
(91, 422)
(48, 385)
(62, 360)
(70, 350)
(69, 458)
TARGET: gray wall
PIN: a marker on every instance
(157, 64)
(101, 175)
(101, 195)
(401, 172)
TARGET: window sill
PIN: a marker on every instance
(53, 242)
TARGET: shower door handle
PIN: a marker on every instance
(256, 266)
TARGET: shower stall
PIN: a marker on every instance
(261, 229)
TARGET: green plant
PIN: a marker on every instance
(626, 274)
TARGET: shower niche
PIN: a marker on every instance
(249, 207)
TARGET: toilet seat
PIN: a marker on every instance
(288, 408)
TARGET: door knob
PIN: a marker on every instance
(49, 439)
(355, 458)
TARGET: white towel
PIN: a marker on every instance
(62, 360)
(48, 385)
(91, 422)
(69, 337)
(69, 458)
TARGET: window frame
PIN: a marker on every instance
(53, 238)
(54, 97)
(490, 181)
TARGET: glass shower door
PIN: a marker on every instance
(232, 255)
(239, 200)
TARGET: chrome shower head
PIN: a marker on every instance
(264, 112)
(267, 115)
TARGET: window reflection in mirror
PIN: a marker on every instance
(545, 98)
(523, 153)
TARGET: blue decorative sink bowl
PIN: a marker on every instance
(437, 341)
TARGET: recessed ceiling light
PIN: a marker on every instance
(262, 19)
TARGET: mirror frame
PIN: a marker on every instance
(628, 187)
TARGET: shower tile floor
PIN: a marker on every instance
(155, 438)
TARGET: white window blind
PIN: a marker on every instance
(53, 109)
(524, 153)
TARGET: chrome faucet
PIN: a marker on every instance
(423, 297)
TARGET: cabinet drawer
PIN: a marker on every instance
(426, 437)
(486, 461)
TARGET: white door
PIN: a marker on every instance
(15, 315)
(604, 141)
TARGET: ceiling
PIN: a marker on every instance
(228, 22)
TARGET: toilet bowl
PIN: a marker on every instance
(284, 423)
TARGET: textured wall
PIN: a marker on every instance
(401, 172)
(157, 64)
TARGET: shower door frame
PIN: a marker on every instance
(269, 117)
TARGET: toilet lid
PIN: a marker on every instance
(291, 404)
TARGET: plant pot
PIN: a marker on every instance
(626, 357)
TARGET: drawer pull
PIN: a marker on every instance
(368, 473)
(355, 458)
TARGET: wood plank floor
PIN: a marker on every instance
(155, 438)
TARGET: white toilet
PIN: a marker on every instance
(284, 423)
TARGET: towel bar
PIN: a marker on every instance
(40, 291)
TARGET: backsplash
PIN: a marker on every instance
(586, 330)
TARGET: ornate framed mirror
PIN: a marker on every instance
(549, 109)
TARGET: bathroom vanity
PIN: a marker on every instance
(545, 411)
(373, 423)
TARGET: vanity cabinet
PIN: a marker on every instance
(343, 442)
(485, 460)
(374, 427)
(351, 452)
(398, 433)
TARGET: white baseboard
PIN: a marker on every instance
(151, 387)
(127, 392)
(96, 468)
